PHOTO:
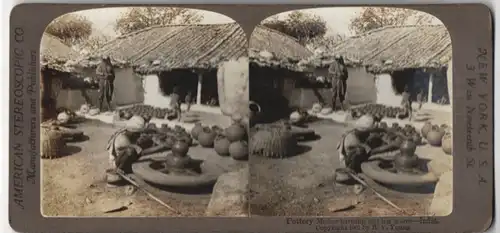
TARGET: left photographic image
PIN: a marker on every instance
(144, 114)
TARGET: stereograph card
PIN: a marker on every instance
(251, 118)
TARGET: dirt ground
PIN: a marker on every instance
(303, 185)
(74, 185)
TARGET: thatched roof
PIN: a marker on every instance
(395, 48)
(54, 53)
(199, 46)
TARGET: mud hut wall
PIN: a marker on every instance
(153, 94)
(360, 89)
(385, 92)
(128, 90)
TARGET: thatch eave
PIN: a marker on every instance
(163, 48)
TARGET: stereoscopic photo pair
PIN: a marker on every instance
(286, 123)
(164, 111)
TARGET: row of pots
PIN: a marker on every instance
(438, 136)
(232, 141)
(172, 137)
(146, 111)
(395, 133)
(379, 111)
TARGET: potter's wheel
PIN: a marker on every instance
(383, 171)
(150, 168)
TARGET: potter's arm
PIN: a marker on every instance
(154, 149)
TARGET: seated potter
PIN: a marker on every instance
(354, 149)
(122, 146)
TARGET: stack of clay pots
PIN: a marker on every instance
(231, 141)
(438, 136)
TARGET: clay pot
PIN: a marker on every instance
(235, 132)
(434, 136)
(198, 127)
(127, 115)
(239, 150)
(397, 140)
(417, 138)
(188, 139)
(383, 125)
(120, 114)
(63, 117)
(406, 159)
(447, 144)
(426, 128)
(316, 108)
(151, 126)
(217, 129)
(177, 162)
(326, 111)
(355, 114)
(221, 145)
(84, 109)
(295, 117)
(206, 137)
(180, 148)
(169, 141)
(179, 129)
(405, 162)
(408, 147)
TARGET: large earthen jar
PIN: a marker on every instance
(232, 85)
(447, 144)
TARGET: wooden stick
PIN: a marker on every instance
(375, 191)
(121, 174)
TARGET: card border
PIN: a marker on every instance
(471, 29)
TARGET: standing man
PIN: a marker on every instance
(175, 102)
(420, 99)
(407, 102)
(106, 75)
(189, 100)
(338, 75)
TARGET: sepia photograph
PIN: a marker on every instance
(178, 112)
(145, 113)
(358, 121)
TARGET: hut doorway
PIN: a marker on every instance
(187, 82)
(268, 89)
(402, 79)
(433, 84)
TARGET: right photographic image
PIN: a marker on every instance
(354, 117)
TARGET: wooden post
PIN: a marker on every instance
(429, 94)
(198, 92)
